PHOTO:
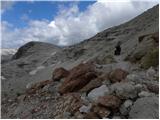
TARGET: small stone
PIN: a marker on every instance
(128, 103)
(138, 87)
(85, 109)
(125, 107)
(150, 73)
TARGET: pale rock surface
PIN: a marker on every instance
(97, 92)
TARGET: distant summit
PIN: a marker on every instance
(33, 47)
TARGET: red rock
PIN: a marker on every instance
(94, 83)
(109, 101)
(59, 73)
(79, 76)
(117, 75)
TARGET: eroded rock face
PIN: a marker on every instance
(59, 73)
(109, 101)
(117, 75)
(145, 108)
(79, 76)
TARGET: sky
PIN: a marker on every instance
(63, 22)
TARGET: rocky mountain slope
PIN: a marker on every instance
(87, 80)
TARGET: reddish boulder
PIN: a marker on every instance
(95, 83)
(79, 76)
(117, 75)
(109, 101)
(59, 73)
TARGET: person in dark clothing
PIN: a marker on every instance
(118, 49)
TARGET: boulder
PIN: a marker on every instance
(124, 90)
(117, 75)
(97, 92)
(145, 108)
(59, 73)
(79, 76)
(95, 83)
(109, 101)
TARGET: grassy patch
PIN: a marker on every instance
(150, 59)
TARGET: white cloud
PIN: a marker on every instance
(71, 26)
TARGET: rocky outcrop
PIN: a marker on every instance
(59, 73)
(95, 83)
(79, 76)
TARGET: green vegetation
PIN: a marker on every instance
(150, 59)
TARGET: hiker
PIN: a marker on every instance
(118, 49)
